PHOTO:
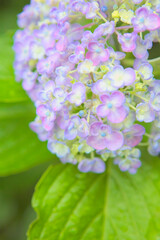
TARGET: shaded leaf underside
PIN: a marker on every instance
(10, 90)
(20, 148)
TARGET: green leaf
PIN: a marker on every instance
(156, 66)
(112, 206)
(20, 148)
(11, 91)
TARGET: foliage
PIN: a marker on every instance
(70, 205)
(11, 91)
(113, 205)
(20, 147)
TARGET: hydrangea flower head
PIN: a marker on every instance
(71, 57)
(145, 20)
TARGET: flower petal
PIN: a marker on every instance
(129, 76)
(115, 141)
(117, 115)
(102, 110)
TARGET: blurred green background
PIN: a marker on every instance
(15, 191)
(8, 13)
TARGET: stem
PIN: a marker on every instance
(70, 77)
(72, 71)
(148, 135)
(92, 155)
(100, 119)
(108, 36)
(154, 60)
(130, 62)
(101, 16)
(144, 99)
(124, 27)
(143, 144)
(85, 26)
(141, 35)
(73, 79)
(88, 117)
(106, 199)
(92, 77)
(131, 106)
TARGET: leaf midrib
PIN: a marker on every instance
(105, 209)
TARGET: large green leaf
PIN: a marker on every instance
(20, 148)
(112, 206)
(10, 90)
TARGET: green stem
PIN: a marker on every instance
(143, 144)
(88, 117)
(72, 71)
(132, 107)
(101, 16)
(144, 99)
(154, 60)
(123, 27)
(148, 135)
(107, 177)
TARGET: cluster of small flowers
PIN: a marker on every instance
(71, 57)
